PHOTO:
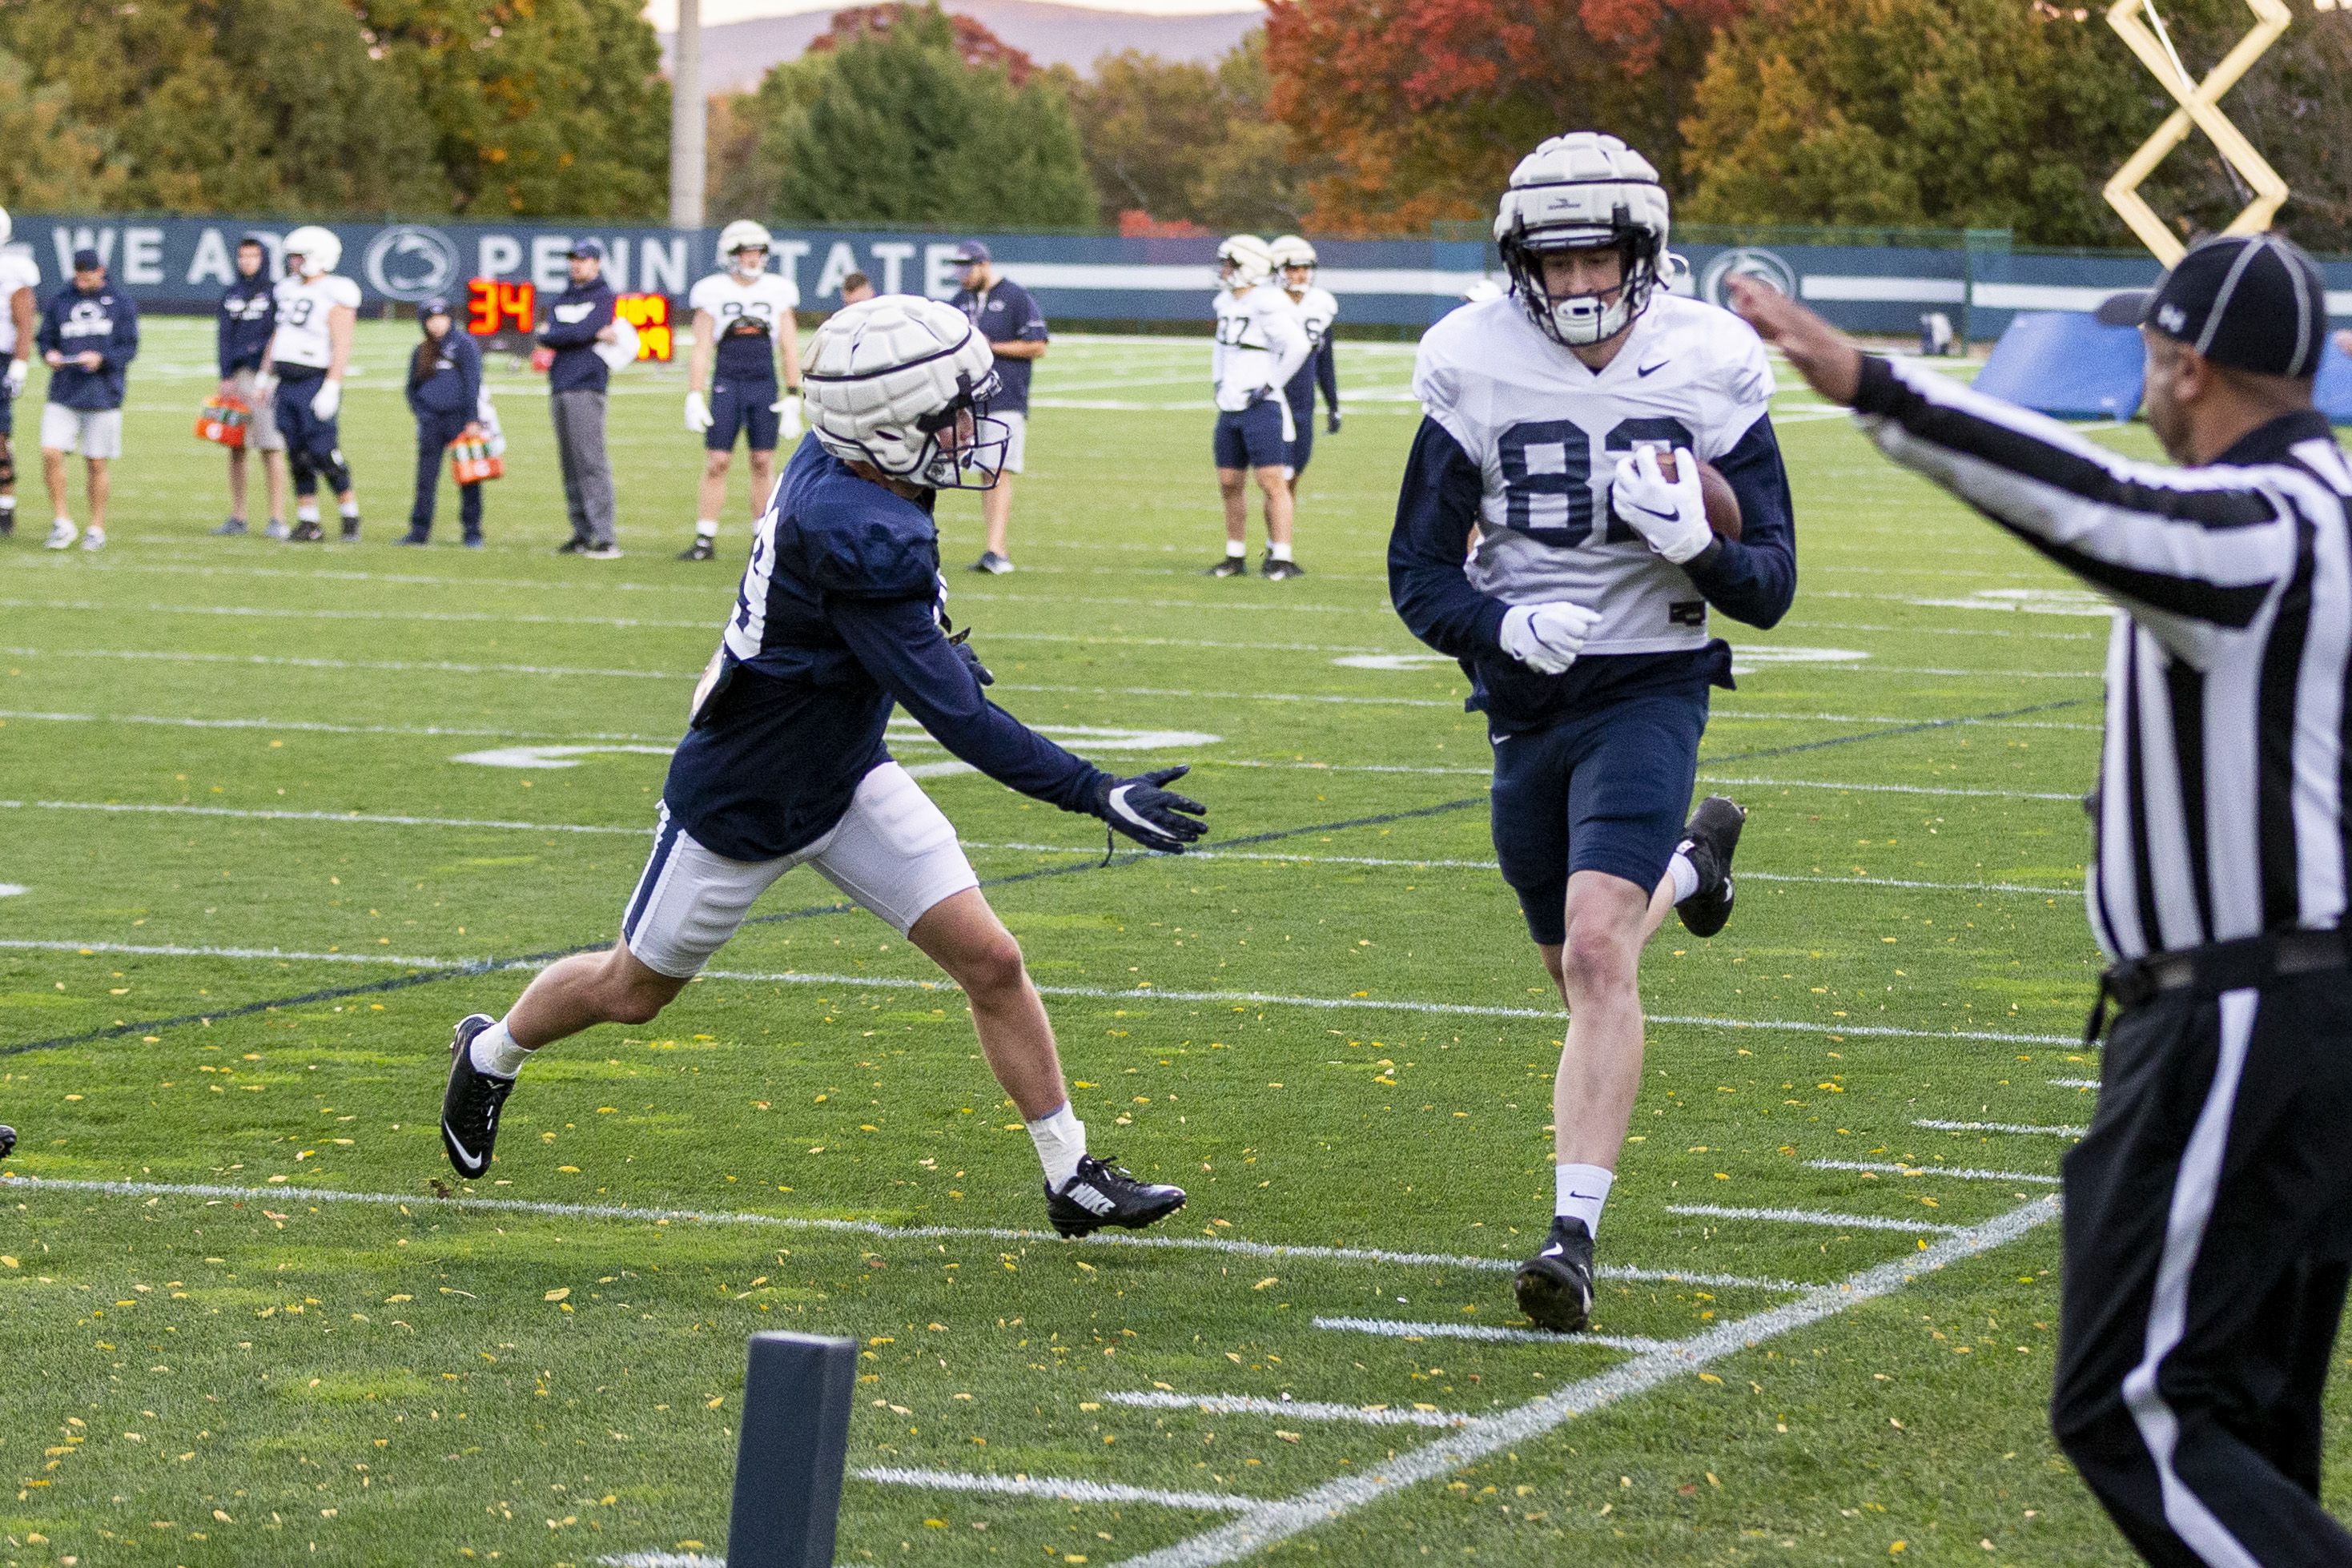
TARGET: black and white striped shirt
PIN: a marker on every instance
(2223, 786)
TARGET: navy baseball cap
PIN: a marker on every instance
(587, 248)
(2252, 302)
(969, 253)
(88, 260)
(432, 305)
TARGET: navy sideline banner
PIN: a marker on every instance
(182, 264)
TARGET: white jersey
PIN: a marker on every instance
(17, 271)
(738, 309)
(1317, 310)
(303, 306)
(1260, 345)
(1547, 433)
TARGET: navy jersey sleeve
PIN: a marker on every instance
(1326, 373)
(902, 647)
(1030, 327)
(223, 347)
(1437, 509)
(1753, 578)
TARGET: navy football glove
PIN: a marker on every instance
(1332, 424)
(1154, 817)
(970, 660)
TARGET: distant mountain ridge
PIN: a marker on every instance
(736, 55)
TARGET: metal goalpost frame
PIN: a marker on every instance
(2199, 104)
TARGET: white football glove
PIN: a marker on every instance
(18, 369)
(698, 414)
(787, 410)
(1289, 420)
(1548, 637)
(265, 386)
(1669, 514)
(329, 398)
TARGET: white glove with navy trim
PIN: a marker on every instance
(787, 410)
(1548, 637)
(18, 369)
(698, 414)
(1155, 817)
(1669, 514)
(329, 400)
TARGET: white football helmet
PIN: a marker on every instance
(1586, 190)
(903, 382)
(1290, 251)
(743, 234)
(1484, 289)
(318, 249)
(1243, 261)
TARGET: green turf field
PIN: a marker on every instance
(260, 863)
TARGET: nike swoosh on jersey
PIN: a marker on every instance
(1646, 369)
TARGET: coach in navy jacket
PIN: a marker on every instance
(579, 322)
(88, 316)
(573, 320)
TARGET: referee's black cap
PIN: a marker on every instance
(2253, 301)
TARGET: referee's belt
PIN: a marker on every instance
(2246, 962)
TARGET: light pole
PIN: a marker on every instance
(689, 115)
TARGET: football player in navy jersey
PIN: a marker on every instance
(840, 616)
(1581, 615)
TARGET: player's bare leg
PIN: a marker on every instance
(1275, 485)
(237, 485)
(273, 482)
(711, 501)
(53, 476)
(1234, 494)
(962, 935)
(102, 490)
(763, 481)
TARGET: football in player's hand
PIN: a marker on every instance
(1722, 505)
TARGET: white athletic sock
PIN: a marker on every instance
(495, 1051)
(350, 507)
(1061, 1140)
(1235, 550)
(7, 504)
(1684, 874)
(706, 528)
(1279, 552)
(306, 511)
(1578, 1191)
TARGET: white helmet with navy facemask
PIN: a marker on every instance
(1244, 261)
(314, 251)
(741, 237)
(1583, 191)
(1291, 251)
(903, 383)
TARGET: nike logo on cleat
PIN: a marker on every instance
(465, 1154)
(1091, 1199)
(1554, 1251)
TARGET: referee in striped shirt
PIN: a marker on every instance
(2208, 1211)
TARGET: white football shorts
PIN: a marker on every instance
(893, 851)
(92, 432)
(1016, 437)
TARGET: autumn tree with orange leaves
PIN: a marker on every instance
(1423, 106)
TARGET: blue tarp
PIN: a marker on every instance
(2334, 393)
(2066, 364)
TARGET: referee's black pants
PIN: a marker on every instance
(2206, 1234)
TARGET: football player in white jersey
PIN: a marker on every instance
(1582, 617)
(1260, 346)
(1295, 258)
(20, 275)
(744, 322)
(302, 373)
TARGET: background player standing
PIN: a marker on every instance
(841, 614)
(1581, 618)
(89, 335)
(20, 275)
(1008, 317)
(1260, 346)
(445, 394)
(743, 321)
(302, 374)
(246, 319)
(1317, 312)
(579, 322)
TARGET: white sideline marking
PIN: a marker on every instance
(2002, 1127)
(2074, 1083)
(1955, 1173)
(10, 890)
(381, 819)
(1270, 1522)
(322, 728)
(1390, 1329)
(1953, 790)
(1089, 993)
(1814, 1216)
(663, 1560)
(1289, 1409)
(1060, 1490)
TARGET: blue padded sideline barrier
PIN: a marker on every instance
(2334, 393)
(2065, 365)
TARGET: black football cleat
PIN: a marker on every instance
(1100, 1193)
(8, 1140)
(306, 532)
(470, 1105)
(1709, 838)
(700, 550)
(1277, 571)
(1554, 1288)
(351, 531)
(1229, 567)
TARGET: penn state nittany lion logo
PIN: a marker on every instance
(409, 263)
(1745, 261)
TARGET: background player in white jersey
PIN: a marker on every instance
(302, 373)
(1260, 346)
(1581, 617)
(20, 275)
(1317, 310)
(744, 322)
(840, 616)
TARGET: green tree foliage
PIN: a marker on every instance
(1189, 144)
(535, 107)
(894, 126)
(54, 160)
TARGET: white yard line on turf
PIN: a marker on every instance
(1058, 1491)
(1814, 1216)
(1389, 1329)
(319, 727)
(373, 818)
(1955, 1174)
(2023, 1126)
(623, 1214)
(1237, 1000)
(1953, 790)
(1289, 1409)
(2074, 1083)
(1271, 1522)
(663, 1560)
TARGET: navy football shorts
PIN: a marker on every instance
(1606, 791)
(7, 415)
(319, 440)
(1252, 438)
(738, 408)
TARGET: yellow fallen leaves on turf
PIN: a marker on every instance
(559, 1294)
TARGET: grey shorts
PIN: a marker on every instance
(92, 432)
(263, 434)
